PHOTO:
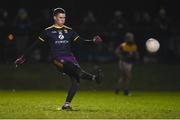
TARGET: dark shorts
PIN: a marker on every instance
(68, 58)
(66, 64)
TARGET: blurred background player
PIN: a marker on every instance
(128, 54)
(60, 38)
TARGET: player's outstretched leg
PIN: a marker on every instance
(76, 71)
(71, 93)
(95, 77)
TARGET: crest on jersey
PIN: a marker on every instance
(61, 36)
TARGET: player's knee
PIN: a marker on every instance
(70, 68)
(59, 65)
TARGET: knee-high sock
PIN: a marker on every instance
(72, 90)
(86, 76)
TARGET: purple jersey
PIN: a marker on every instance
(59, 39)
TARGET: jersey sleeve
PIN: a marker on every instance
(79, 40)
(43, 36)
(75, 36)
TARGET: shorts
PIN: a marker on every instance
(67, 65)
(125, 66)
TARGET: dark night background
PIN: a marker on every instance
(25, 19)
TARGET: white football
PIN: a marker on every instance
(152, 45)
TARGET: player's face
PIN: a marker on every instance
(60, 19)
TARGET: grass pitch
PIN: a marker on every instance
(89, 104)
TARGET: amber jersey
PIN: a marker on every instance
(128, 51)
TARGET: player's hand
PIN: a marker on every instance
(20, 60)
(97, 39)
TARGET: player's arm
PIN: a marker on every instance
(22, 58)
(77, 39)
(96, 39)
(118, 52)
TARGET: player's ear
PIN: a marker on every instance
(54, 17)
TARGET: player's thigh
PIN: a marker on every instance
(59, 65)
(122, 68)
(128, 70)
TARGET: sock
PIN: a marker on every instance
(94, 77)
(66, 104)
(87, 76)
(72, 90)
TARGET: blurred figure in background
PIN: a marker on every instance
(162, 20)
(118, 25)
(89, 27)
(136, 19)
(22, 26)
(89, 24)
(7, 51)
(128, 54)
(162, 27)
(3, 32)
(146, 24)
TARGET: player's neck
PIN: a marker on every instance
(58, 26)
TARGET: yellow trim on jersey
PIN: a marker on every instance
(76, 38)
(128, 47)
(55, 26)
(49, 27)
(67, 27)
(41, 39)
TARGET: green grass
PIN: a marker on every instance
(89, 104)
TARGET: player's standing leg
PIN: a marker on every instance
(125, 77)
(128, 76)
(119, 84)
(71, 93)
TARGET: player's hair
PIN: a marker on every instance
(129, 37)
(58, 10)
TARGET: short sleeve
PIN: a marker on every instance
(43, 36)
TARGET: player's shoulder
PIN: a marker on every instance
(53, 26)
(123, 44)
(50, 27)
(67, 27)
(126, 44)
